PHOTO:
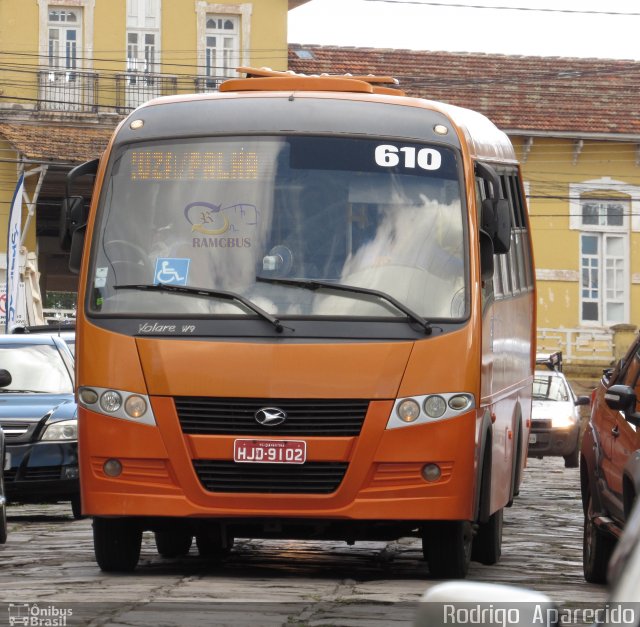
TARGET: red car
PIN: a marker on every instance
(610, 462)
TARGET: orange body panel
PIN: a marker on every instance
(241, 369)
(159, 479)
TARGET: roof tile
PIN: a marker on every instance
(537, 94)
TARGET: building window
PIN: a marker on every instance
(224, 41)
(141, 81)
(64, 36)
(222, 49)
(143, 35)
(604, 273)
(605, 213)
(141, 52)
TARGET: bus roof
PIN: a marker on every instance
(484, 140)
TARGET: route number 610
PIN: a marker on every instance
(389, 156)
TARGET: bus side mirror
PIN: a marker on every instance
(71, 217)
(496, 222)
(486, 256)
(74, 215)
(76, 248)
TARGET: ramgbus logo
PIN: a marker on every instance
(211, 222)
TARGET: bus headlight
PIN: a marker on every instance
(66, 430)
(427, 408)
(88, 396)
(408, 410)
(117, 404)
(135, 406)
(460, 402)
(435, 406)
(110, 401)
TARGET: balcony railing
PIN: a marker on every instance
(67, 90)
(135, 88)
(578, 346)
(77, 91)
(205, 84)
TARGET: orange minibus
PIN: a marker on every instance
(306, 310)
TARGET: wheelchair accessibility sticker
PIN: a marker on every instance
(171, 271)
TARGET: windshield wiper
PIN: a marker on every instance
(199, 291)
(13, 391)
(313, 284)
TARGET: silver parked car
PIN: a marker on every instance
(555, 417)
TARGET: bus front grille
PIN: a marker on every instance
(304, 417)
(308, 478)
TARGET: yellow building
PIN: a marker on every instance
(71, 69)
(576, 128)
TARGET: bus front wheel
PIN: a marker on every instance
(446, 545)
(116, 543)
(174, 543)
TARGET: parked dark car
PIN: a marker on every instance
(555, 418)
(39, 418)
(65, 330)
(610, 462)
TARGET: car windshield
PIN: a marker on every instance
(222, 214)
(35, 368)
(550, 388)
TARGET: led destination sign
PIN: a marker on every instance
(195, 165)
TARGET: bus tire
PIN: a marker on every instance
(597, 548)
(174, 543)
(516, 470)
(3, 510)
(76, 507)
(116, 543)
(212, 545)
(487, 543)
(446, 545)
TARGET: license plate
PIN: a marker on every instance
(533, 438)
(270, 451)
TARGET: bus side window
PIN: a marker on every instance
(514, 260)
(493, 287)
(519, 262)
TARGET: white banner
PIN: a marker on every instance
(13, 257)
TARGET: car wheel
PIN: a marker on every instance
(117, 543)
(173, 543)
(487, 543)
(446, 545)
(573, 459)
(597, 547)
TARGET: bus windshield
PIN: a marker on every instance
(236, 214)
